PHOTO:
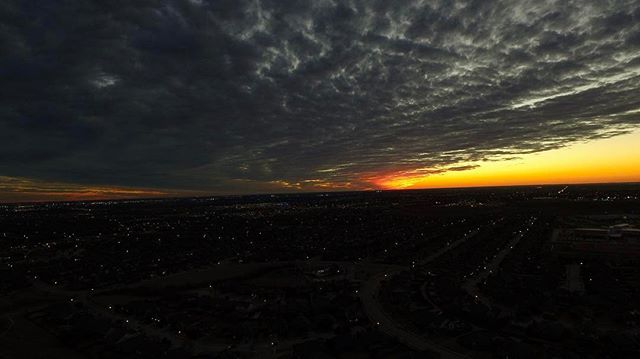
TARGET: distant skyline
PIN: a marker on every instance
(196, 97)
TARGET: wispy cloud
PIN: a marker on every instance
(243, 95)
(13, 189)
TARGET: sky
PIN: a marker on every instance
(121, 99)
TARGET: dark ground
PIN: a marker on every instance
(396, 274)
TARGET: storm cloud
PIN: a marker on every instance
(244, 96)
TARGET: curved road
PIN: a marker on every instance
(377, 315)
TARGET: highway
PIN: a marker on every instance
(471, 285)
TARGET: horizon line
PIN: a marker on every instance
(159, 198)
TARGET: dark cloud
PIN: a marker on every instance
(246, 95)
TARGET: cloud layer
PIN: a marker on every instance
(245, 96)
(26, 190)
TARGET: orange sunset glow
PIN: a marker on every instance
(615, 159)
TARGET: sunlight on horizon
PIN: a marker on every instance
(615, 159)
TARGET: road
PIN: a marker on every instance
(377, 315)
(8, 328)
(471, 285)
(201, 276)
